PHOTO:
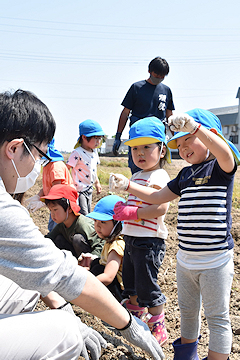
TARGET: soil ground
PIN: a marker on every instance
(119, 348)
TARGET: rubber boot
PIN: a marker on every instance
(185, 351)
(134, 309)
(157, 327)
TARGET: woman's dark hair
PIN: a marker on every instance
(23, 115)
(64, 203)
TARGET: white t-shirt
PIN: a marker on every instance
(147, 227)
(84, 168)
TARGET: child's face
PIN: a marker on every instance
(191, 149)
(147, 157)
(92, 144)
(103, 228)
(58, 213)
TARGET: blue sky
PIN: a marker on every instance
(80, 57)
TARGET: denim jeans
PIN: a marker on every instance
(141, 262)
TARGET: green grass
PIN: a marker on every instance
(104, 173)
(114, 163)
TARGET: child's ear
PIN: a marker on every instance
(70, 209)
(164, 151)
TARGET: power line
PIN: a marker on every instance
(117, 26)
(161, 31)
(108, 60)
(159, 39)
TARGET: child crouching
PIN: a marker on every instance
(107, 268)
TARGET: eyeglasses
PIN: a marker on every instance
(45, 159)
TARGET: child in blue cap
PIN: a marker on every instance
(107, 268)
(205, 256)
(84, 160)
(144, 229)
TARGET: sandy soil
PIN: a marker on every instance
(118, 347)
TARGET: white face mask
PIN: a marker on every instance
(25, 183)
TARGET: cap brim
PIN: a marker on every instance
(52, 197)
(94, 133)
(99, 216)
(172, 143)
(141, 141)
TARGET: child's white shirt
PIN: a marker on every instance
(147, 227)
(84, 168)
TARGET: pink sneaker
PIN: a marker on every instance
(157, 327)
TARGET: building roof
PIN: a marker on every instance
(227, 115)
(228, 119)
(225, 110)
(238, 93)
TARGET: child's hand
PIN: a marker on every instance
(124, 212)
(182, 122)
(98, 188)
(85, 260)
(118, 181)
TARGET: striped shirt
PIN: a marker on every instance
(147, 227)
(204, 214)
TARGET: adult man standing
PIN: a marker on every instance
(146, 98)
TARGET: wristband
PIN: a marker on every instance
(129, 323)
(198, 127)
(62, 306)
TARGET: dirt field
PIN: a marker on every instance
(118, 348)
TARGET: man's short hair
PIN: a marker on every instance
(23, 115)
(159, 66)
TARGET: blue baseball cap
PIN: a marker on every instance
(149, 130)
(104, 208)
(89, 128)
(209, 121)
(53, 153)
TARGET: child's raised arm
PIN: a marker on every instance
(217, 146)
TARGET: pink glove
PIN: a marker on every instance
(124, 212)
